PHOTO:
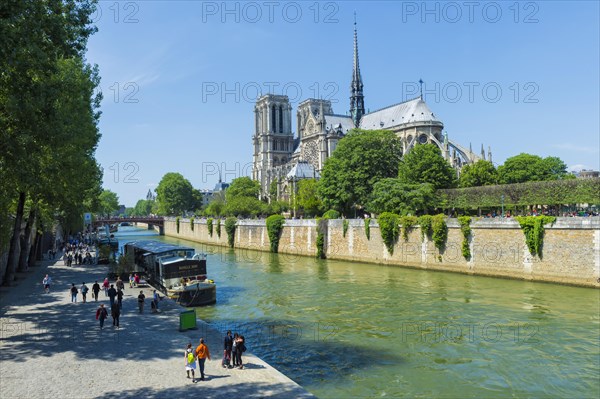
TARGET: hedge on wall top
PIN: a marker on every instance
(274, 228)
(331, 214)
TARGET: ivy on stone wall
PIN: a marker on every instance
(321, 226)
(389, 226)
(368, 228)
(177, 223)
(533, 228)
(465, 228)
(192, 220)
(439, 231)
(408, 223)
(218, 228)
(209, 226)
(274, 228)
(345, 225)
(230, 225)
(425, 224)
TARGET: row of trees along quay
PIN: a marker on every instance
(49, 115)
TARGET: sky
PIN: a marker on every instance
(180, 78)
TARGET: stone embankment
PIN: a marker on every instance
(52, 348)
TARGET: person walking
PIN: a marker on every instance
(105, 285)
(155, 298)
(101, 314)
(141, 299)
(120, 285)
(131, 281)
(46, 283)
(112, 294)
(227, 345)
(202, 353)
(120, 299)
(73, 293)
(84, 291)
(190, 361)
(241, 348)
(115, 312)
(95, 290)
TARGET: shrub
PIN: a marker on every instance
(440, 231)
(274, 228)
(218, 228)
(209, 226)
(368, 228)
(425, 224)
(345, 225)
(192, 220)
(533, 228)
(230, 225)
(331, 214)
(408, 223)
(389, 226)
(465, 228)
(177, 223)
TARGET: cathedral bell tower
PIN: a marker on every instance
(357, 99)
(273, 139)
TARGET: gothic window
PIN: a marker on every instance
(280, 119)
(423, 139)
(273, 118)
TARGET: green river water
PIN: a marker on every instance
(356, 330)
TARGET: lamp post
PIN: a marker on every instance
(502, 198)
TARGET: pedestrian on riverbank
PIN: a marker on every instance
(105, 286)
(202, 353)
(141, 299)
(190, 361)
(136, 280)
(101, 314)
(234, 349)
(227, 345)
(73, 293)
(120, 285)
(115, 312)
(120, 298)
(241, 348)
(84, 291)
(155, 298)
(95, 290)
(112, 294)
(46, 283)
(131, 281)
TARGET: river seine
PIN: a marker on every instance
(355, 330)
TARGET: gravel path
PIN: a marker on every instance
(52, 348)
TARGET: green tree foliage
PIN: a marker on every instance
(174, 194)
(209, 226)
(241, 198)
(274, 227)
(557, 192)
(389, 226)
(527, 167)
(143, 208)
(391, 195)
(465, 228)
(331, 214)
(307, 197)
(360, 160)
(368, 228)
(425, 164)
(407, 223)
(230, 225)
(216, 206)
(109, 202)
(533, 228)
(481, 173)
(273, 191)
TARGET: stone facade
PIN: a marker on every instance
(571, 252)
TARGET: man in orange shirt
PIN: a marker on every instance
(202, 353)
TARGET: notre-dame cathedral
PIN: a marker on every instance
(281, 157)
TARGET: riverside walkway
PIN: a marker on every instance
(52, 348)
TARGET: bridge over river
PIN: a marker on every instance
(150, 221)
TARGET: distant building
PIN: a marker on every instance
(150, 196)
(588, 174)
(209, 195)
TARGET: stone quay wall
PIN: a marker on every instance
(571, 247)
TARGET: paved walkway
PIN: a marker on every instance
(52, 348)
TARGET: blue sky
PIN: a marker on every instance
(180, 78)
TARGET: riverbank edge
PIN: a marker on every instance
(498, 248)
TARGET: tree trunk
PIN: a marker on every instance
(26, 241)
(33, 250)
(13, 256)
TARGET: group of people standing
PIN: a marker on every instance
(233, 347)
(75, 253)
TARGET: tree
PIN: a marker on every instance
(242, 187)
(481, 173)
(109, 202)
(241, 198)
(307, 197)
(273, 191)
(527, 167)
(391, 195)
(174, 194)
(360, 160)
(143, 208)
(425, 164)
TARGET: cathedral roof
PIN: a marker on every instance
(333, 121)
(303, 170)
(411, 111)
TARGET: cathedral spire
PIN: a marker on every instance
(357, 100)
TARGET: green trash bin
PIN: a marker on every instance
(187, 320)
